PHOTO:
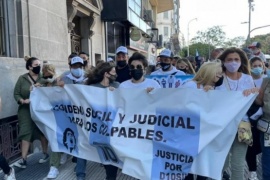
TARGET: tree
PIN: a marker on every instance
(203, 50)
(235, 42)
(214, 36)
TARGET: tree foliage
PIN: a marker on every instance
(214, 36)
(203, 50)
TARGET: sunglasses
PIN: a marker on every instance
(131, 67)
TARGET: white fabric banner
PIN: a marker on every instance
(163, 134)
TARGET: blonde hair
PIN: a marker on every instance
(207, 72)
(190, 69)
(50, 68)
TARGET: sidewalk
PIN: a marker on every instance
(94, 171)
(36, 171)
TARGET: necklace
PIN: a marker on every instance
(232, 89)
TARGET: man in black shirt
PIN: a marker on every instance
(122, 68)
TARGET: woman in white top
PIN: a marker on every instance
(237, 78)
(257, 69)
(138, 64)
(208, 77)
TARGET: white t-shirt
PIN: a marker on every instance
(145, 84)
(258, 82)
(191, 84)
(161, 72)
(245, 82)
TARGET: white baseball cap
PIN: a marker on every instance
(75, 60)
(166, 53)
(121, 49)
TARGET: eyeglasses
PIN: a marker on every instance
(131, 67)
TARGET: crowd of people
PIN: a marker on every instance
(230, 69)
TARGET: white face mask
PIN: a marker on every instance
(50, 80)
(232, 66)
(76, 72)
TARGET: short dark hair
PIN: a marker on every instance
(29, 61)
(84, 53)
(139, 57)
(72, 56)
(255, 58)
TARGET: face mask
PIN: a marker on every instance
(36, 69)
(184, 70)
(232, 66)
(50, 80)
(219, 82)
(136, 74)
(47, 77)
(121, 63)
(76, 72)
(112, 78)
(165, 66)
(257, 71)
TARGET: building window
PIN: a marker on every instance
(116, 36)
(2, 30)
(166, 31)
(166, 15)
(136, 6)
(75, 35)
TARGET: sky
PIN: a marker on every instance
(229, 14)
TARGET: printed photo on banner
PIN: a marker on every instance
(170, 81)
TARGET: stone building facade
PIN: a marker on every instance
(50, 30)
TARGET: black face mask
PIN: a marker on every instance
(184, 70)
(121, 63)
(219, 82)
(48, 77)
(36, 69)
(165, 66)
(136, 74)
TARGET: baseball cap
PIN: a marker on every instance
(121, 49)
(75, 60)
(166, 53)
(255, 44)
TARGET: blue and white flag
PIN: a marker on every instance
(164, 134)
(170, 81)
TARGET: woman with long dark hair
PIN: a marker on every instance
(104, 76)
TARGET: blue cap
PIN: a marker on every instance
(166, 53)
(121, 49)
